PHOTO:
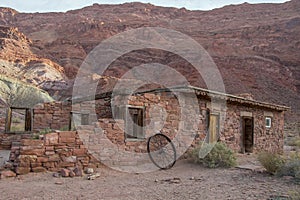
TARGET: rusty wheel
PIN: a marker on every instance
(161, 151)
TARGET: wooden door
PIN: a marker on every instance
(213, 128)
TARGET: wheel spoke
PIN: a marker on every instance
(161, 151)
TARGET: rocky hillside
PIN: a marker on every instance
(14, 93)
(256, 47)
(18, 61)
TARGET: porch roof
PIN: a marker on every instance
(219, 95)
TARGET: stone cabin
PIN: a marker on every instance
(196, 114)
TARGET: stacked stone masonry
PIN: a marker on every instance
(54, 152)
(163, 112)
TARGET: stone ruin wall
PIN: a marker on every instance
(52, 115)
(57, 115)
(55, 151)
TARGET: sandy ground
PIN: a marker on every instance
(184, 181)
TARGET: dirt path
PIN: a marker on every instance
(184, 181)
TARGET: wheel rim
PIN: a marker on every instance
(161, 151)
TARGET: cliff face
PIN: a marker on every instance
(256, 47)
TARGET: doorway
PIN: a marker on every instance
(247, 135)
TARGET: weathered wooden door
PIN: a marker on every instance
(213, 128)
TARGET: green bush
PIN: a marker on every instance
(291, 166)
(271, 161)
(213, 155)
(294, 195)
(45, 131)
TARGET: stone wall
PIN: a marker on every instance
(2, 119)
(164, 113)
(57, 115)
(292, 129)
(52, 115)
(265, 139)
(160, 105)
(106, 136)
(55, 151)
(7, 140)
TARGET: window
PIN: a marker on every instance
(78, 119)
(268, 122)
(213, 128)
(134, 123)
(18, 120)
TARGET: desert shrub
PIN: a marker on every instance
(294, 195)
(214, 155)
(45, 131)
(291, 166)
(64, 128)
(271, 161)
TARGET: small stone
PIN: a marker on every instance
(65, 172)
(93, 176)
(58, 182)
(8, 165)
(22, 170)
(56, 175)
(71, 174)
(287, 177)
(78, 171)
(89, 170)
(8, 174)
(71, 159)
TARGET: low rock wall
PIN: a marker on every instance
(54, 152)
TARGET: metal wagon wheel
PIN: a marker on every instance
(161, 151)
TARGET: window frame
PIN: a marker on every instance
(78, 115)
(268, 119)
(127, 115)
(28, 121)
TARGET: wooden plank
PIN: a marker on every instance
(8, 120)
(28, 119)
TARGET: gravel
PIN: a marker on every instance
(184, 181)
